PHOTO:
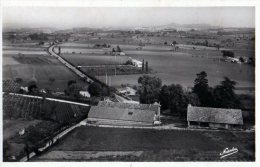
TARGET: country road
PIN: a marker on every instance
(82, 75)
(67, 64)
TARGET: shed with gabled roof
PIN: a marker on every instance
(214, 117)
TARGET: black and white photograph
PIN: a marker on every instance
(128, 84)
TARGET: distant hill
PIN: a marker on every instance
(178, 27)
(30, 30)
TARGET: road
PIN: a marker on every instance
(67, 64)
(82, 75)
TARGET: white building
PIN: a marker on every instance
(127, 91)
(84, 93)
(232, 60)
(122, 54)
(137, 63)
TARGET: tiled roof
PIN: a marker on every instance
(135, 106)
(214, 115)
(114, 113)
(124, 111)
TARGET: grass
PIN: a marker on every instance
(158, 145)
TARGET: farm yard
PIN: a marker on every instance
(110, 144)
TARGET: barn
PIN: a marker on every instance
(131, 114)
(214, 118)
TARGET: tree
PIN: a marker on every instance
(201, 88)
(129, 62)
(19, 80)
(41, 43)
(227, 53)
(206, 43)
(192, 99)
(71, 82)
(143, 66)
(165, 43)
(32, 87)
(164, 97)
(174, 98)
(224, 95)
(174, 45)
(118, 49)
(146, 67)
(149, 89)
(177, 103)
(95, 89)
(241, 59)
(218, 46)
(72, 89)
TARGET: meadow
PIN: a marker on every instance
(178, 67)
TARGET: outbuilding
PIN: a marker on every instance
(215, 118)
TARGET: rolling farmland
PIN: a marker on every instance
(179, 67)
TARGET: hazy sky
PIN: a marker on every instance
(68, 17)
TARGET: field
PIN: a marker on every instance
(85, 143)
(111, 70)
(25, 60)
(15, 107)
(179, 67)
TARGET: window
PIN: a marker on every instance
(193, 123)
(204, 124)
(130, 113)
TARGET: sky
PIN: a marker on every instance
(98, 17)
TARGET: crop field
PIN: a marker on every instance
(155, 145)
(86, 60)
(111, 70)
(34, 108)
(45, 67)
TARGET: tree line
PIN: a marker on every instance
(175, 98)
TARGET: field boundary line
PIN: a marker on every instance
(51, 142)
(50, 99)
(161, 128)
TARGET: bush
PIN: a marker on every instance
(228, 53)
(95, 89)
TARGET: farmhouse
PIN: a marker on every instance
(214, 117)
(137, 63)
(84, 93)
(114, 113)
(127, 91)
(232, 60)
